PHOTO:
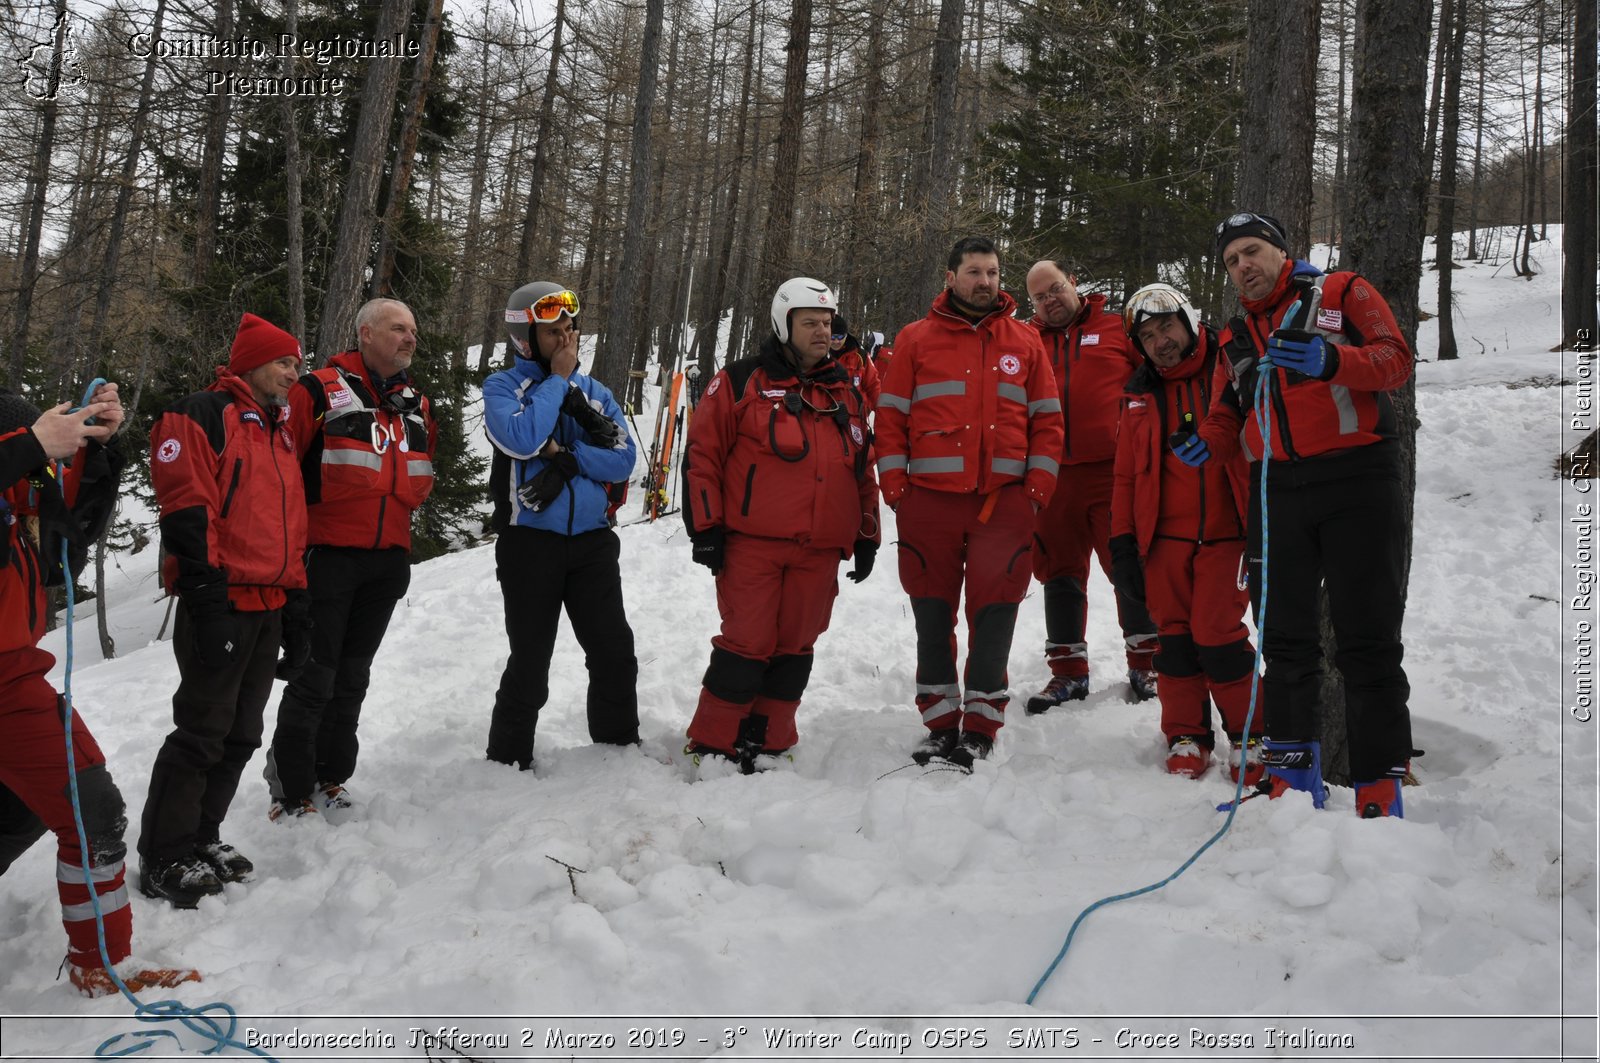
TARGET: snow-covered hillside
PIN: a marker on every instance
(606, 884)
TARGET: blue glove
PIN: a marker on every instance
(1300, 351)
(1190, 449)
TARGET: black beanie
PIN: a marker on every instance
(16, 412)
(1247, 223)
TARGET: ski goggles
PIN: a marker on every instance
(547, 308)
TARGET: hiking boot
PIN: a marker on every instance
(772, 760)
(1381, 799)
(226, 862)
(1060, 690)
(135, 974)
(974, 746)
(285, 811)
(1294, 766)
(936, 744)
(1185, 756)
(1253, 768)
(182, 882)
(333, 801)
(708, 762)
(1143, 683)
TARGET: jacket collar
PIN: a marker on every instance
(945, 311)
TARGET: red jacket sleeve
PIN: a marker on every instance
(183, 472)
(712, 432)
(1221, 427)
(1122, 479)
(1046, 429)
(894, 412)
(1382, 362)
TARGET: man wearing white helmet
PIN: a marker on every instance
(559, 444)
(1178, 534)
(778, 489)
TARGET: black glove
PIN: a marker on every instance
(547, 485)
(1127, 573)
(709, 547)
(213, 634)
(866, 557)
(602, 430)
(296, 638)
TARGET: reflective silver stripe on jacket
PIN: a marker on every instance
(369, 459)
(73, 873)
(419, 467)
(895, 402)
(1044, 406)
(934, 465)
(1013, 393)
(891, 461)
(1008, 466)
(933, 391)
(1049, 465)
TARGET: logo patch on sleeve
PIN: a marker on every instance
(1330, 320)
(1010, 364)
(169, 450)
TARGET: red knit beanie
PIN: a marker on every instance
(258, 342)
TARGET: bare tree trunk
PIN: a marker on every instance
(1578, 326)
(943, 81)
(119, 214)
(1280, 114)
(370, 146)
(1388, 181)
(1477, 151)
(461, 315)
(611, 366)
(1441, 44)
(541, 138)
(294, 251)
(863, 205)
(1449, 145)
(208, 204)
(1336, 223)
(38, 185)
(405, 159)
(776, 258)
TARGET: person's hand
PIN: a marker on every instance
(1299, 351)
(1127, 572)
(602, 430)
(866, 557)
(710, 547)
(548, 483)
(564, 362)
(296, 637)
(61, 431)
(116, 414)
(1190, 449)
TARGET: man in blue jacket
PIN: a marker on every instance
(559, 442)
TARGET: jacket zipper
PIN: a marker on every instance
(233, 485)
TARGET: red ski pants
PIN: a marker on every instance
(949, 543)
(34, 797)
(1195, 595)
(1073, 527)
(775, 596)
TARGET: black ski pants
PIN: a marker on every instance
(1338, 521)
(353, 595)
(540, 573)
(217, 713)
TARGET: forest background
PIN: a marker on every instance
(165, 166)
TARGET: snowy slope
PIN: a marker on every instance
(606, 884)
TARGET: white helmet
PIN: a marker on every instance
(799, 293)
(1155, 300)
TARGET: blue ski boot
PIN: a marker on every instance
(1294, 766)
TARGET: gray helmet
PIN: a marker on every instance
(517, 304)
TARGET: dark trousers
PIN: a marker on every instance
(540, 573)
(217, 713)
(1346, 532)
(353, 595)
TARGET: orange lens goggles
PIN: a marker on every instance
(548, 308)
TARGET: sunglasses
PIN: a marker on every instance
(1245, 218)
(548, 308)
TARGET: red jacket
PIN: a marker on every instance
(1366, 357)
(35, 509)
(969, 408)
(1092, 360)
(367, 456)
(862, 372)
(1153, 493)
(232, 505)
(773, 459)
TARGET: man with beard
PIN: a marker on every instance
(968, 438)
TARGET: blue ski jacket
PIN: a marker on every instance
(521, 413)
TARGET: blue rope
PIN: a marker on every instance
(216, 1022)
(1263, 415)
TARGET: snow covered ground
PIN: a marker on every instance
(894, 908)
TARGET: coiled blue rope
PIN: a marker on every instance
(1262, 411)
(217, 1022)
